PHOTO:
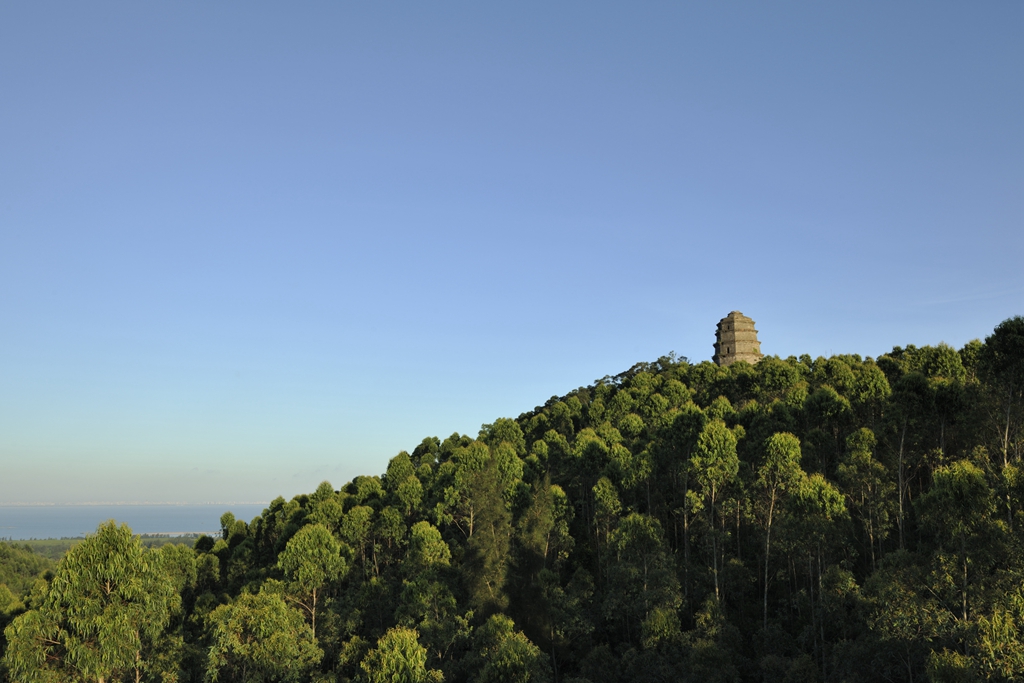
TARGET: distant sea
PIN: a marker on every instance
(23, 522)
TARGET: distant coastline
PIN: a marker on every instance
(138, 503)
(24, 521)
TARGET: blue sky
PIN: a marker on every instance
(245, 247)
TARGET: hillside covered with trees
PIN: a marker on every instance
(833, 519)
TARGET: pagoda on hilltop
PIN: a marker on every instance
(736, 339)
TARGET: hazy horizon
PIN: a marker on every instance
(95, 503)
(38, 521)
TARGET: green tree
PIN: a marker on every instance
(428, 604)
(502, 431)
(568, 618)
(398, 658)
(1002, 362)
(20, 568)
(607, 508)
(1000, 639)
(715, 465)
(8, 602)
(641, 582)
(324, 491)
(819, 510)
(427, 550)
(1001, 365)
(778, 474)
(311, 560)
(869, 492)
(679, 438)
(912, 401)
(488, 549)
(899, 614)
(326, 507)
(389, 536)
(958, 509)
(399, 468)
(460, 505)
(775, 378)
(258, 639)
(404, 488)
(507, 655)
(830, 413)
(409, 494)
(107, 599)
(354, 529)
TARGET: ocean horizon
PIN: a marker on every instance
(20, 522)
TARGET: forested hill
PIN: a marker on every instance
(20, 569)
(830, 519)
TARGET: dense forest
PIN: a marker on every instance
(833, 519)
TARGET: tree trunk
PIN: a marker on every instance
(871, 541)
(1006, 455)
(821, 618)
(767, 551)
(739, 550)
(714, 545)
(963, 589)
(1006, 429)
(686, 552)
(312, 614)
(903, 435)
(814, 612)
(714, 560)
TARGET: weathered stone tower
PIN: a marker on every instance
(736, 339)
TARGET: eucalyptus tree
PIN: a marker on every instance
(818, 512)
(398, 658)
(778, 474)
(427, 601)
(1002, 361)
(958, 510)
(311, 560)
(258, 639)
(868, 489)
(503, 654)
(109, 600)
(486, 563)
(641, 581)
(715, 466)
(1002, 367)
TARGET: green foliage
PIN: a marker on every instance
(646, 587)
(869, 489)
(311, 560)
(778, 475)
(257, 639)
(506, 655)
(107, 602)
(398, 658)
(714, 461)
(714, 465)
(502, 431)
(20, 567)
(427, 550)
(488, 547)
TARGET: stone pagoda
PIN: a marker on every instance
(736, 339)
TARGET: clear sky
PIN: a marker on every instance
(245, 247)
